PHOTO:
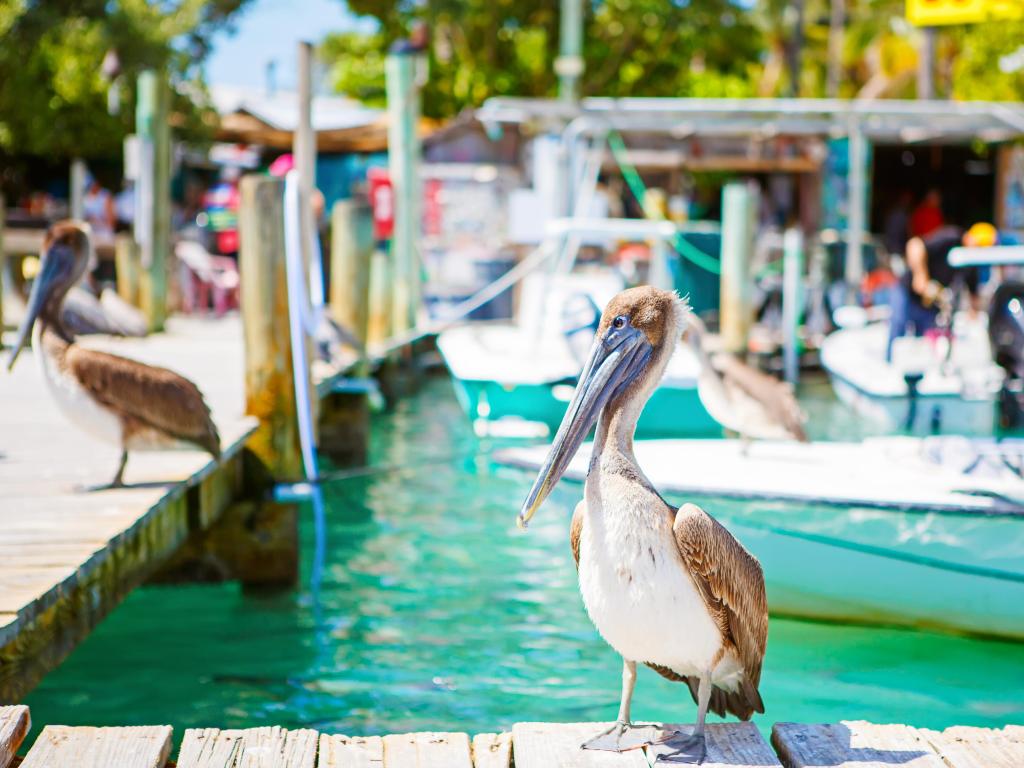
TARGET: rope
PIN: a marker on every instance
(461, 310)
(685, 248)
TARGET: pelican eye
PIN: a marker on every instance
(619, 322)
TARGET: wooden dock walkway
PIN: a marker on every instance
(67, 555)
(528, 745)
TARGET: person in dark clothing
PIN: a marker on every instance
(925, 286)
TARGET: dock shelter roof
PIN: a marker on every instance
(881, 120)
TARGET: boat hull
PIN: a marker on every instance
(813, 578)
(494, 406)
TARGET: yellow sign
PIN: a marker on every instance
(934, 13)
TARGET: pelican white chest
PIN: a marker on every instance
(634, 586)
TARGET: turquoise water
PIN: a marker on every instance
(434, 612)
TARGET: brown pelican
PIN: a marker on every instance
(669, 588)
(743, 399)
(119, 401)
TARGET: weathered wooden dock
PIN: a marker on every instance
(528, 745)
(69, 555)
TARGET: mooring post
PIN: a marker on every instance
(739, 211)
(126, 264)
(269, 375)
(403, 165)
(351, 252)
(378, 326)
(792, 301)
(153, 213)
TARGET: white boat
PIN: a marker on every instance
(931, 384)
(518, 377)
(896, 530)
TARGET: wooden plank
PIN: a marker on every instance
(14, 724)
(492, 750)
(557, 745)
(853, 744)
(728, 744)
(136, 746)
(266, 747)
(966, 747)
(427, 750)
(339, 751)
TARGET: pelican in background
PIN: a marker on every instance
(668, 588)
(743, 399)
(120, 401)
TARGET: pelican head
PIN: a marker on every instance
(67, 252)
(637, 334)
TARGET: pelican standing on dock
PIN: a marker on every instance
(668, 588)
(120, 401)
(741, 398)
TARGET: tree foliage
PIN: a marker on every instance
(53, 94)
(483, 48)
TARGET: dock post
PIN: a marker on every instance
(126, 265)
(378, 325)
(351, 252)
(858, 203)
(269, 376)
(153, 213)
(76, 193)
(739, 211)
(403, 165)
(792, 301)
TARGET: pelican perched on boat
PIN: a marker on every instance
(741, 398)
(119, 401)
(668, 588)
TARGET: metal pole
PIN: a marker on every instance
(304, 148)
(926, 64)
(836, 24)
(857, 208)
(569, 64)
(77, 191)
(792, 273)
(739, 211)
(403, 165)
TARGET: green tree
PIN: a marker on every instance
(484, 48)
(53, 94)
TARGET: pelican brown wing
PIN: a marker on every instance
(775, 397)
(731, 583)
(150, 396)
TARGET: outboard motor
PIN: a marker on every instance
(1006, 334)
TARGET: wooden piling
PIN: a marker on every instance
(378, 328)
(269, 375)
(739, 211)
(127, 267)
(351, 253)
(153, 227)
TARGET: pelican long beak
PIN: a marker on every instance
(614, 362)
(57, 264)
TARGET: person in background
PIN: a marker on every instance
(923, 289)
(927, 216)
(897, 223)
(221, 206)
(124, 208)
(98, 208)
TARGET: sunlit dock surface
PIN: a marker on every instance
(528, 745)
(69, 552)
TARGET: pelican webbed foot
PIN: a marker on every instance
(690, 750)
(622, 737)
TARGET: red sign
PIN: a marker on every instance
(382, 200)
